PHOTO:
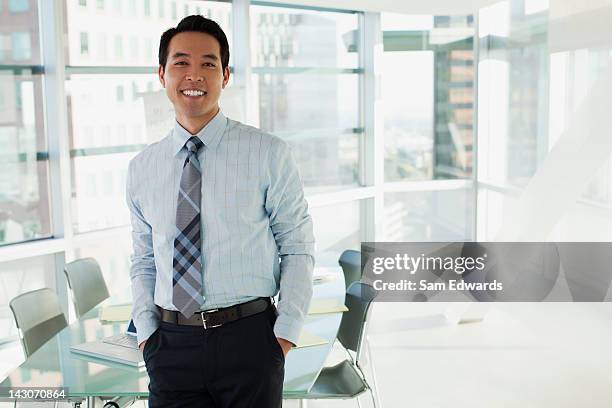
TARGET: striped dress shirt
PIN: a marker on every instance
(257, 235)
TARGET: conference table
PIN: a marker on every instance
(54, 365)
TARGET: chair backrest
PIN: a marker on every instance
(38, 316)
(350, 261)
(86, 284)
(358, 300)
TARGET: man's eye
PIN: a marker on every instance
(180, 63)
(209, 64)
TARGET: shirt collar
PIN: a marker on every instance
(210, 134)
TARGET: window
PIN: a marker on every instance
(101, 46)
(21, 46)
(18, 6)
(83, 3)
(336, 228)
(306, 62)
(125, 111)
(428, 85)
(24, 184)
(147, 8)
(114, 260)
(149, 52)
(120, 94)
(100, 4)
(133, 53)
(161, 9)
(84, 43)
(118, 46)
(132, 7)
(437, 215)
(512, 91)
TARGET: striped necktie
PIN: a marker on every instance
(187, 279)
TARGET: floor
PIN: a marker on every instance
(520, 355)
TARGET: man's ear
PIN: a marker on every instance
(160, 74)
(226, 76)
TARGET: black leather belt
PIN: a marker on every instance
(216, 317)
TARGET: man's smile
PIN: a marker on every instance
(193, 92)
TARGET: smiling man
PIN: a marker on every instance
(219, 226)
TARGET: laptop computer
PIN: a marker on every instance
(121, 348)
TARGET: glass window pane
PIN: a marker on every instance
(19, 36)
(284, 37)
(19, 6)
(161, 8)
(572, 77)
(336, 228)
(102, 147)
(443, 215)
(429, 112)
(114, 260)
(326, 162)
(128, 32)
(84, 44)
(299, 102)
(321, 126)
(513, 94)
(24, 184)
(409, 121)
(21, 45)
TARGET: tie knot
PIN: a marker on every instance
(194, 144)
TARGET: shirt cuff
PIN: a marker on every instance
(288, 328)
(145, 326)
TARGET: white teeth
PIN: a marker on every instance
(192, 92)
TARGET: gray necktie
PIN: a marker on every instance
(187, 279)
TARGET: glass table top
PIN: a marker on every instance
(54, 365)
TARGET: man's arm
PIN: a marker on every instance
(142, 270)
(292, 228)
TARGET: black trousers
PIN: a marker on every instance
(237, 365)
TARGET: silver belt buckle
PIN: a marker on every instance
(202, 313)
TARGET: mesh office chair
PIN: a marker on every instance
(350, 261)
(38, 317)
(86, 284)
(346, 379)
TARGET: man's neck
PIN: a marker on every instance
(194, 124)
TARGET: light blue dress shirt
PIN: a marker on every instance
(257, 235)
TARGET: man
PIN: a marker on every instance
(215, 206)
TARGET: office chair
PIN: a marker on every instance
(350, 261)
(86, 283)
(38, 317)
(346, 379)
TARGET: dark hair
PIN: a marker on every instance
(199, 24)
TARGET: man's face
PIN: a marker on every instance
(193, 76)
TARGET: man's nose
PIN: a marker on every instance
(194, 76)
